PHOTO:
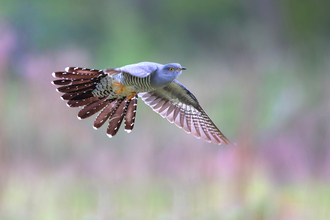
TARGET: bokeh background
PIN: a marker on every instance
(260, 68)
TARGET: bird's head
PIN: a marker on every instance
(165, 74)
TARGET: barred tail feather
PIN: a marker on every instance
(75, 75)
(107, 112)
(92, 108)
(81, 70)
(62, 82)
(77, 87)
(130, 114)
(116, 119)
(77, 95)
(81, 102)
(78, 83)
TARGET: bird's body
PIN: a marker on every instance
(115, 92)
(112, 85)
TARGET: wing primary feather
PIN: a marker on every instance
(205, 130)
(182, 116)
(159, 104)
(170, 109)
(150, 99)
(170, 117)
(218, 140)
(176, 112)
(181, 107)
(188, 120)
(164, 107)
(156, 101)
(196, 125)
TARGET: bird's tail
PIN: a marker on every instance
(77, 85)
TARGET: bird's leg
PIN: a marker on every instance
(130, 96)
(121, 87)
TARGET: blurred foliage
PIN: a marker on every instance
(259, 68)
(138, 27)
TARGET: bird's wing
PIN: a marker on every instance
(180, 106)
(141, 70)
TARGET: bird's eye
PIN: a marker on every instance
(171, 68)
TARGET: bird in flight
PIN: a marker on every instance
(114, 94)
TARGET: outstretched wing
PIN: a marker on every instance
(141, 70)
(180, 106)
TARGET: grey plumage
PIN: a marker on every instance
(114, 93)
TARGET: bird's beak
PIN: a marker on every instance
(183, 68)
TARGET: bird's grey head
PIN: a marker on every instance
(165, 74)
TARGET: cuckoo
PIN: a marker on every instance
(114, 94)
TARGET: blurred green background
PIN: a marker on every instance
(260, 68)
